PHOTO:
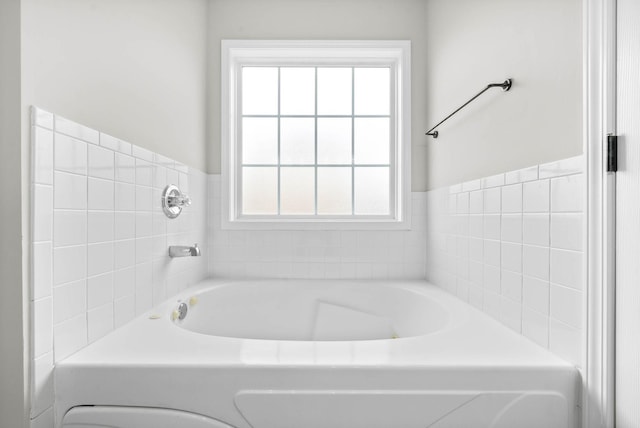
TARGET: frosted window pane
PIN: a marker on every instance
(371, 190)
(297, 191)
(334, 140)
(371, 141)
(297, 91)
(259, 90)
(259, 140)
(371, 91)
(297, 138)
(260, 190)
(334, 90)
(334, 191)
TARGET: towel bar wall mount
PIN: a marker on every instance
(506, 85)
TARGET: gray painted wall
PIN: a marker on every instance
(13, 309)
(457, 48)
(133, 69)
(471, 43)
(321, 19)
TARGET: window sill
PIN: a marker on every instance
(315, 224)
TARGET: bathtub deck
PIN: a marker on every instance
(154, 363)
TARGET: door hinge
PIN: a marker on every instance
(612, 153)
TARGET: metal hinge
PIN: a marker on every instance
(612, 153)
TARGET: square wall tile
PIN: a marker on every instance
(512, 198)
(476, 272)
(512, 257)
(124, 253)
(535, 326)
(99, 290)
(100, 226)
(535, 261)
(70, 336)
(462, 204)
(492, 226)
(476, 202)
(567, 193)
(69, 264)
(124, 283)
(143, 198)
(491, 280)
(566, 305)
(144, 288)
(69, 300)
(535, 229)
(144, 174)
(492, 252)
(535, 196)
(70, 191)
(536, 294)
(125, 168)
(101, 162)
(476, 226)
(511, 285)
(101, 194)
(511, 228)
(492, 200)
(124, 225)
(99, 258)
(476, 249)
(70, 155)
(567, 230)
(100, 321)
(69, 228)
(125, 197)
(567, 268)
(144, 225)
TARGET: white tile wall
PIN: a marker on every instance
(518, 255)
(317, 254)
(99, 251)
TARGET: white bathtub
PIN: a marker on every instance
(316, 354)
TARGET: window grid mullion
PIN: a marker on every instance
(353, 143)
(315, 143)
(279, 169)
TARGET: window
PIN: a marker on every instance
(315, 134)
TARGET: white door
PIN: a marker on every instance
(628, 217)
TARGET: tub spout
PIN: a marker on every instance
(184, 251)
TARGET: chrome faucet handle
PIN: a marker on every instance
(173, 200)
(181, 200)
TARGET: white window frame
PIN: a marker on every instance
(395, 54)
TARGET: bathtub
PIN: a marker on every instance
(315, 354)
